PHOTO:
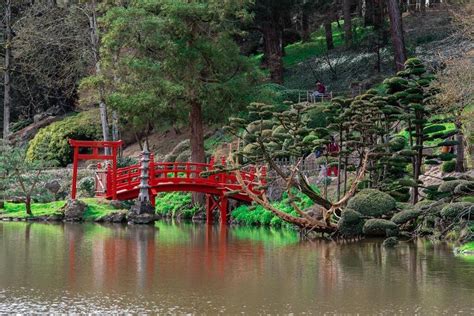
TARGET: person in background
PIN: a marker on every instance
(320, 90)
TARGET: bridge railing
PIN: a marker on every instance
(128, 178)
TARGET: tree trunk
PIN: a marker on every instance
(94, 34)
(305, 33)
(273, 50)
(198, 153)
(346, 8)
(7, 84)
(396, 29)
(328, 32)
(459, 149)
(28, 205)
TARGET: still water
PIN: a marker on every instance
(186, 268)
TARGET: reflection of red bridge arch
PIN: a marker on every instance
(122, 183)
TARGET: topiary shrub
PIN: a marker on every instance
(448, 166)
(450, 186)
(376, 227)
(370, 202)
(51, 143)
(351, 223)
(405, 216)
(454, 210)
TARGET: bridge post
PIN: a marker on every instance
(143, 211)
(216, 202)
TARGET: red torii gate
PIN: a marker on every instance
(113, 147)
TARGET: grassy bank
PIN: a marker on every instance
(96, 208)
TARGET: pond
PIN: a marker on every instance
(192, 268)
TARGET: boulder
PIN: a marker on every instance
(450, 186)
(114, 217)
(53, 186)
(380, 228)
(351, 223)
(74, 210)
(405, 216)
(141, 213)
(118, 205)
(370, 202)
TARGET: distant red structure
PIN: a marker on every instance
(122, 183)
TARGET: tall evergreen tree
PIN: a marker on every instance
(177, 58)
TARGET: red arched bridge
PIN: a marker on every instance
(123, 183)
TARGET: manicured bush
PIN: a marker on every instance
(51, 143)
(370, 202)
(450, 186)
(380, 228)
(454, 210)
(448, 166)
(351, 223)
(405, 216)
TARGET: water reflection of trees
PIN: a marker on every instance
(129, 258)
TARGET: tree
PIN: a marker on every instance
(396, 29)
(52, 53)
(346, 10)
(177, 58)
(411, 92)
(266, 135)
(20, 176)
(6, 70)
(269, 20)
(456, 92)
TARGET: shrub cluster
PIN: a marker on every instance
(370, 202)
(51, 143)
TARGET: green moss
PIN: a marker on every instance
(454, 210)
(450, 186)
(380, 228)
(405, 216)
(370, 202)
(351, 223)
(51, 142)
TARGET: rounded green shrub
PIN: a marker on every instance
(454, 210)
(370, 202)
(376, 227)
(448, 166)
(351, 223)
(450, 186)
(51, 143)
(405, 216)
